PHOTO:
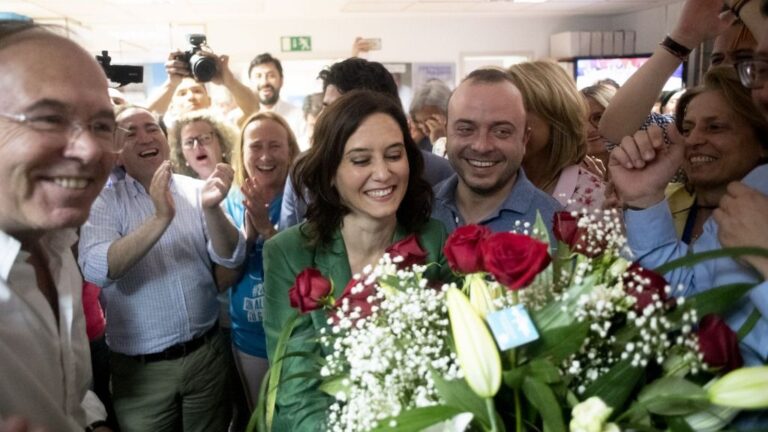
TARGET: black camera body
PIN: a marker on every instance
(121, 74)
(202, 68)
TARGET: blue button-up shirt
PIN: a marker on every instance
(521, 205)
(651, 236)
(169, 296)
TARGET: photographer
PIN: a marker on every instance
(178, 68)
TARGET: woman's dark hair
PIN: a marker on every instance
(315, 171)
(725, 80)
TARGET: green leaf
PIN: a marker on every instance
(692, 259)
(678, 424)
(544, 370)
(552, 315)
(457, 394)
(543, 399)
(558, 343)
(615, 386)
(540, 229)
(306, 354)
(417, 419)
(513, 378)
(258, 420)
(673, 396)
(276, 369)
(333, 385)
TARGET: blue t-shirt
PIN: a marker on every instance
(246, 298)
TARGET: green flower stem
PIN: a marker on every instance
(491, 414)
(518, 412)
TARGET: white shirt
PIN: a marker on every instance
(292, 114)
(46, 368)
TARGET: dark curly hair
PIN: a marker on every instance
(356, 73)
(316, 170)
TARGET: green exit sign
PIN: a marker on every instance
(296, 43)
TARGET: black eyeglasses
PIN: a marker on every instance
(202, 140)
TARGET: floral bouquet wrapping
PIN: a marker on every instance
(582, 340)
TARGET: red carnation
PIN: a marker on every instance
(719, 344)
(566, 229)
(410, 250)
(514, 259)
(643, 284)
(310, 291)
(462, 248)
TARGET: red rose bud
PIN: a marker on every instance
(410, 250)
(358, 299)
(514, 259)
(566, 229)
(462, 248)
(310, 290)
(643, 285)
(719, 344)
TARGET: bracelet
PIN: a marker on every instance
(95, 425)
(738, 5)
(676, 49)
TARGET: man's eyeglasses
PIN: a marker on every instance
(202, 140)
(752, 73)
(104, 130)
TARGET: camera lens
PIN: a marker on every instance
(203, 68)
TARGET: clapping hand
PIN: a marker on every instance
(160, 192)
(256, 204)
(217, 186)
(740, 217)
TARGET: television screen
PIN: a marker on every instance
(589, 70)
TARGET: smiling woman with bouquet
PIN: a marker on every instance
(366, 197)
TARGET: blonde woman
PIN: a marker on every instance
(199, 141)
(266, 150)
(557, 146)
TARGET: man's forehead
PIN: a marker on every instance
(264, 68)
(134, 117)
(501, 94)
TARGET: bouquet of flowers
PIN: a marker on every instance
(521, 339)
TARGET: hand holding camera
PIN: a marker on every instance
(197, 62)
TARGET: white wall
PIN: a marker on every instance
(651, 26)
(414, 39)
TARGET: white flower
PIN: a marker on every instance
(590, 416)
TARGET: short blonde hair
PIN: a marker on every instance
(549, 92)
(238, 162)
(600, 93)
(226, 134)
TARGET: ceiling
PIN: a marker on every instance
(155, 25)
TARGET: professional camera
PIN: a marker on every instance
(120, 74)
(203, 68)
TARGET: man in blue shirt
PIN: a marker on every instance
(487, 135)
(151, 242)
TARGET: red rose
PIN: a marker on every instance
(566, 229)
(719, 344)
(410, 250)
(643, 284)
(462, 248)
(357, 299)
(514, 259)
(310, 291)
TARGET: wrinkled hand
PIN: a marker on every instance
(18, 424)
(217, 186)
(256, 204)
(700, 20)
(740, 217)
(160, 192)
(436, 124)
(641, 166)
(175, 68)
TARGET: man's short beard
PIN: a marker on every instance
(271, 100)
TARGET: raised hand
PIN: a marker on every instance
(436, 126)
(217, 186)
(160, 192)
(642, 165)
(700, 20)
(257, 210)
(175, 68)
(741, 217)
